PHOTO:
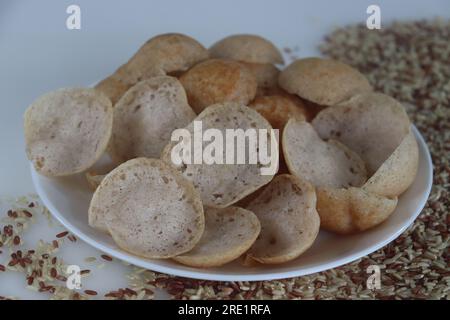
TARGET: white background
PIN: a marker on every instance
(38, 54)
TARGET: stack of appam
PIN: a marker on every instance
(346, 153)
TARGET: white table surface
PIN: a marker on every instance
(39, 54)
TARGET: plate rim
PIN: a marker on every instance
(203, 274)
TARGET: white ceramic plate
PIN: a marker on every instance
(68, 200)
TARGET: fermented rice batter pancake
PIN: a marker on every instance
(149, 209)
(247, 48)
(286, 209)
(322, 81)
(218, 81)
(228, 234)
(221, 185)
(146, 116)
(323, 163)
(66, 131)
(352, 210)
(371, 124)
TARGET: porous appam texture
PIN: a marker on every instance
(323, 163)
(278, 109)
(163, 54)
(146, 116)
(398, 172)
(322, 81)
(221, 185)
(66, 131)
(149, 209)
(289, 220)
(351, 210)
(247, 48)
(228, 234)
(217, 81)
(371, 124)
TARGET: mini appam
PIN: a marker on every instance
(149, 209)
(323, 163)
(228, 234)
(371, 124)
(352, 210)
(146, 116)
(67, 131)
(246, 48)
(217, 81)
(221, 185)
(286, 209)
(278, 109)
(398, 172)
(322, 81)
